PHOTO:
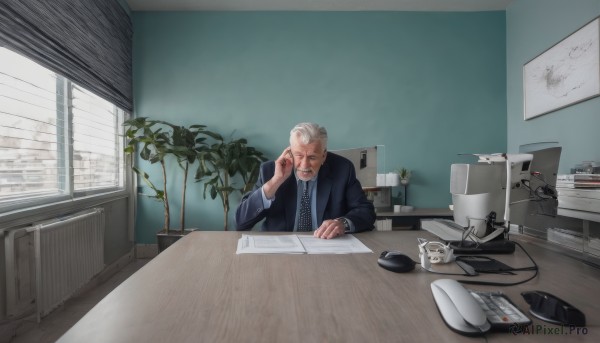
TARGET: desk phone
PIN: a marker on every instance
(475, 313)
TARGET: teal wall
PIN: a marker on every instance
(428, 86)
(125, 6)
(532, 27)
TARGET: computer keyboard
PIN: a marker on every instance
(500, 312)
(450, 223)
(445, 229)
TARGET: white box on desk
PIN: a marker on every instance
(383, 225)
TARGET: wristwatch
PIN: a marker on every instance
(345, 222)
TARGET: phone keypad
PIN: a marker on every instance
(498, 309)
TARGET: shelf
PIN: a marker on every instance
(413, 218)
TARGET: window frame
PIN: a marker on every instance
(68, 196)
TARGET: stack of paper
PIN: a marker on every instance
(383, 225)
(299, 244)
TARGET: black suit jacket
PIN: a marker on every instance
(339, 194)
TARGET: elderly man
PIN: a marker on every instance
(307, 189)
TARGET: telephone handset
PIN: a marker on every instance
(458, 308)
(463, 309)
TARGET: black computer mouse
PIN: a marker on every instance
(396, 261)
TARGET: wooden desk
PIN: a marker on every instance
(199, 290)
(413, 218)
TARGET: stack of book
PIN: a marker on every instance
(578, 181)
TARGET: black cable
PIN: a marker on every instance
(436, 272)
(491, 283)
(543, 192)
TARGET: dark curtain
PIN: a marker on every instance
(88, 41)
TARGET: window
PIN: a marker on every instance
(57, 140)
(97, 145)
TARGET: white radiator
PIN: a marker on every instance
(20, 272)
(68, 252)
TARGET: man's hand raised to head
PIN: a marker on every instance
(283, 169)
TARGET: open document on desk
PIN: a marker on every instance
(299, 244)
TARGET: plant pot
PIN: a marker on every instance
(166, 239)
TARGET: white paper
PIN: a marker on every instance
(346, 244)
(299, 244)
(276, 244)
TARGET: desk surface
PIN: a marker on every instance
(199, 290)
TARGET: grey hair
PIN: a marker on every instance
(310, 132)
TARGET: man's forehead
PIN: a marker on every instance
(314, 148)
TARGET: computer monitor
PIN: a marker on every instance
(501, 189)
(365, 163)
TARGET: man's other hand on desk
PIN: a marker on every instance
(330, 228)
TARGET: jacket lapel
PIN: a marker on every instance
(324, 183)
(290, 204)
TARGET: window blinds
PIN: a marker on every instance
(97, 146)
(31, 133)
(87, 41)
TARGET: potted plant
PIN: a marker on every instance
(182, 143)
(404, 175)
(155, 144)
(221, 163)
(188, 145)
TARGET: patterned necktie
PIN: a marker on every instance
(305, 219)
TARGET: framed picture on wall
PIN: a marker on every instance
(565, 74)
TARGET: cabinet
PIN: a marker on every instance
(582, 204)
